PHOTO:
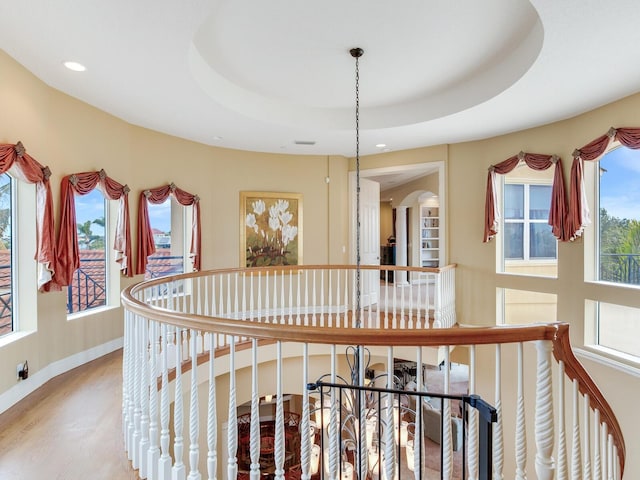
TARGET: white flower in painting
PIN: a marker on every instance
(274, 223)
(286, 217)
(281, 206)
(259, 207)
(251, 222)
(288, 233)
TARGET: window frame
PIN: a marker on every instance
(502, 262)
(180, 217)
(112, 268)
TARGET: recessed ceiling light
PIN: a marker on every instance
(216, 137)
(381, 145)
(75, 66)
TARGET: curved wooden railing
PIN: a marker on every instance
(220, 312)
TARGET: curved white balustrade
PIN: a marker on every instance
(272, 331)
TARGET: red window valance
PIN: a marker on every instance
(146, 245)
(68, 254)
(558, 207)
(26, 168)
(579, 215)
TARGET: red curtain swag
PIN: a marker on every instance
(146, 245)
(579, 215)
(558, 209)
(15, 159)
(68, 250)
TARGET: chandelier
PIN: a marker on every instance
(360, 430)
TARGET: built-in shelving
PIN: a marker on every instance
(429, 236)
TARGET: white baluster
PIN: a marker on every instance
(153, 453)
(306, 297)
(544, 412)
(576, 451)
(194, 413)
(276, 311)
(498, 443)
(305, 427)
(561, 469)
(125, 381)
(279, 434)
(185, 346)
(232, 429)
(389, 463)
(604, 451)
(346, 293)
(472, 413)
(313, 297)
(164, 463)
(322, 301)
(334, 430)
(212, 418)
(266, 297)
(447, 443)
(386, 302)
(137, 409)
(330, 300)
(586, 435)
(131, 358)
(418, 432)
(610, 457)
(144, 401)
(521, 431)
(178, 471)
(597, 464)
(254, 437)
(298, 298)
(290, 304)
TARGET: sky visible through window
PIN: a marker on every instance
(620, 183)
(90, 207)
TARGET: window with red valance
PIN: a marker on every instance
(558, 207)
(146, 244)
(579, 214)
(68, 249)
(15, 160)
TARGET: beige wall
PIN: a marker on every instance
(70, 136)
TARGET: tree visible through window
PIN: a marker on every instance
(6, 254)
(619, 222)
(88, 288)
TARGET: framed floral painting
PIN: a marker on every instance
(270, 229)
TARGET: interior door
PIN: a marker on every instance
(369, 236)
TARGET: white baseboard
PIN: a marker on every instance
(42, 376)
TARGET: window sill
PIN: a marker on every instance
(609, 357)
(629, 286)
(90, 312)
(14, 337)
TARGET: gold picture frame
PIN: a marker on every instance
(270, 229)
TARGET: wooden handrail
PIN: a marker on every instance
(557, 333)
(563, 352)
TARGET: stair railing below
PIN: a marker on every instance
(272, 333)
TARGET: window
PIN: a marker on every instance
(527, 232)
(528, 246)
(88, 286)
(618, 248)
(167, 221)
(6, 254)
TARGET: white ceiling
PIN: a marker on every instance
(259, 76)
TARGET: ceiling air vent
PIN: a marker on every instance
(304, 142)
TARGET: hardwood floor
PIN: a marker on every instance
(71, 428)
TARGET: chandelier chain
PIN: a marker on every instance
(358, 259)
